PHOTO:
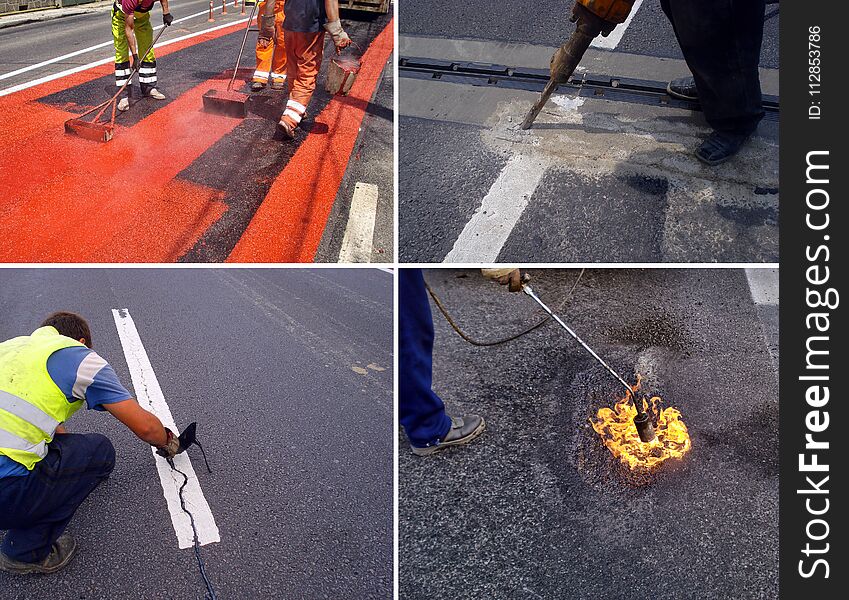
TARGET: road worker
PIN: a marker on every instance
(422, 413)
(304, 28)
(45, 472)
(132, 33)
(270, 47)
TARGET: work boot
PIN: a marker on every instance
(286, 128)
(278, 84)
(156, 94)
(124, 104)
(60, 555)
(257, 86)
(683, 88)
(719, 147)
(463, 430)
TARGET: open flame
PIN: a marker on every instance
(618, 432)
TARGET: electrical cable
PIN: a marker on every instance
(475, 342)
(210, 591)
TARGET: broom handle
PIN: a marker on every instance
(242, 49)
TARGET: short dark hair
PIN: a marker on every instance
(70, 324)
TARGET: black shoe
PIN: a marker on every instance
(684, 88)
(463, 430)
(719, 147)
(257, 86)
(60, 555)
(286, 129)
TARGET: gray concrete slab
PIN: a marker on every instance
(537, 507)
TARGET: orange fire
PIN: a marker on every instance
(618, 432)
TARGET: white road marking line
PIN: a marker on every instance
(763, 284)
(84, 50)
(359, 232)
(60, 74)
(486, 232)
(149, 395)
(611, 41)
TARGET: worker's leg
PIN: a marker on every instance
(422, 412)
(264, 52)
(278, 65)
(122, 51)
(37, 507)
(721, 42)
(144, 36)
(303, 59)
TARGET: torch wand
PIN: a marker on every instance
(641, 421)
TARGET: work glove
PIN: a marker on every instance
(167, 19)
(136, 61)
(510, 277)
(340, 38)
(172, 446)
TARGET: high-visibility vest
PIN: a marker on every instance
(31, 405)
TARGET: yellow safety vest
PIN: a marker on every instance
(31, 405)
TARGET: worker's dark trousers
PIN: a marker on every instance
(36, 508)
(721, 42)
(422, 411)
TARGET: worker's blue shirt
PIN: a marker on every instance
(305, 16)
(97, 384)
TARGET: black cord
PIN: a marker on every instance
(475, 342)
(210, 592)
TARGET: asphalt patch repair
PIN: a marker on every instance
(538, 507)
(177, 183)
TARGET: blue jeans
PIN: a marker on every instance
(421, 410)
(36, 508)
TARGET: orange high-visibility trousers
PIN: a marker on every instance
(271, 56)
(304, 53)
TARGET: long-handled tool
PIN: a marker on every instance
(230, 103)
(593, 18)
(645, 429)
(94, 129)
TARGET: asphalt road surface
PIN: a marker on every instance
(274, 367)
(537, 507)
(177, 183)
(595, 179)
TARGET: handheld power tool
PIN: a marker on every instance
(593, 18)
(644, 426)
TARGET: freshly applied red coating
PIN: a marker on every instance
(289, 224)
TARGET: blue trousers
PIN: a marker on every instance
(36, 508)
(721, 42)
(421, 410)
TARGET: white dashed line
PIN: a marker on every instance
(486, 232)
(611, 41)
(150, 397)
(359, 232)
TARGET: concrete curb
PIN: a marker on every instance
(49, 14)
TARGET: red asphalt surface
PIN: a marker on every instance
(66, 199)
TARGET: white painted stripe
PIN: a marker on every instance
(86, 372)
(84, 50)
(763, 284)
(359, 232)
(149, 395)
(111, 59)
(292, 115)
(486, 232)
(611, 41)
(297, 106)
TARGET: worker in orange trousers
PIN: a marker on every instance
(303, 31)
(270, 47)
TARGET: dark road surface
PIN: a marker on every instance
(537, 507)
(300, 444)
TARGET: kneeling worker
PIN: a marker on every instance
(304, 27)
(131, 28)
(45, 472)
